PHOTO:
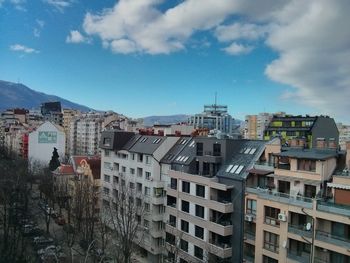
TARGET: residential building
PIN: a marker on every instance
(344, 135)
(133, 161)
(205, 185)
(297, 206)
(306, 128)
(68, 116)
(42, 142)
(85, 133)
(255, 125)
(214, 117)
(52, 112)
(173, 129)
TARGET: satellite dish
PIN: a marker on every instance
(308, 226)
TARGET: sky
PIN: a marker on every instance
(157, 57)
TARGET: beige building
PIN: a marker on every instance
(298, 207)
(68, 116)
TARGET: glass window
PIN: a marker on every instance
(185, 187)
(200, 211)
(184, 226)
(185, 206)
(199, 232)
(184, 245)
(251, 207)
(198, 252)
(271, 241)
(200, 190)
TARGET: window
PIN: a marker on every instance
(139, 187)
(185, 187)
(132, 171)
(184, 245)
(158, 192)
(107, 178)
(251, 207)
(307, 165)
(146, 223)
(170, 238)
(107, 153)
(106, 141)
(148, 175)
(185, 206)
(200, 211)
(267, 259)
(173, 183)
(147, 191)
(200, 190)
(138, 218)
(171, 201)
(116, 179)
(271, 216)
(107, 166)
(123, 182)
(139, 172)
(184, 226)
(199, 149)
(199, 232)
(138, 202)
(271, 241)
(172, 220)
(140, 157)
(123, 169)
(147, 207)
(132, 156)
(148, 159)
(116, 167)
(198, 252)
(131, 185)
(216, 149)
(106, 190)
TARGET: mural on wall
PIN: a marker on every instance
(47, 137)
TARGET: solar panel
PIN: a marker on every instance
(233, 169)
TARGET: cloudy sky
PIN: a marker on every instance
(157, 57)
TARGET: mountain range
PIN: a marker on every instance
(170, 119)
(16, 95)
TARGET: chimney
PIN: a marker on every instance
(332, 144)
(320, 143)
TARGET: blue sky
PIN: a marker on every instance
(148, 57)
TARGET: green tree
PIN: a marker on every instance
(54, 162)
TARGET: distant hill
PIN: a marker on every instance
(171, 119)
(15, 95)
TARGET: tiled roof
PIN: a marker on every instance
(65, 169)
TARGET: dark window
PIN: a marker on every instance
(200, 190)
(184, 245)
(184, 226)
(199, 232)
(199, 149)
(185, 187)
(173, 183)
(198, 252)
(307, 165)
(171, 201)
(271, 216)
(251, 207)
(172, 220)
(185, 206)
(267, 259)
(200, 211)
(217, 149)
(182, 260)
(170, 238)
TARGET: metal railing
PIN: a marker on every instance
(300, 230)
(333, 239)
(302, 259)
(331, 207)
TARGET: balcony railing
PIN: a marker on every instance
(333, 239)
(281, 197)
(269, 166)
(333, 208)
(299, 230)
(249, 235)
(299, 258)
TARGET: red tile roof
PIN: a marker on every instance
(66, 169)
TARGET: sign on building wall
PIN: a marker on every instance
(47, 137)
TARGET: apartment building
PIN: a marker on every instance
(255, 125)
(344, 135)
(307, 128)
(85, 134)
(52, 112)
(133, 160)
(205, 196)
(297, 206)
(68, 116)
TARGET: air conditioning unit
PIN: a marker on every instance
(282, 217)
(249, 218)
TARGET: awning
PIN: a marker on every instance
(339, 186)
(259, 172)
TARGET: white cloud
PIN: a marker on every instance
(237, 49)
(123, 46)
(22, 48)
(38, 28)
(76, 37)
(59, 5)
(225, 33)
(19, 4)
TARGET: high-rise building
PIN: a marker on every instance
(344, 135)
(297, 206)
(68, 116)
(52, 112)
(85, 133)
(306, 128)
(255, 125)
(214, 117)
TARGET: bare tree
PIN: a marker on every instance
(125, 219)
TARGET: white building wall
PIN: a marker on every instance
(40, 149)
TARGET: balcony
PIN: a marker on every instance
(249, 235)
(265, 166)
(210, 157)
(221, 205)
(333, 239)
(303, 258)
(281, 197)
(299, 230)
(223, 228)
(333, 208)
(221, 250)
